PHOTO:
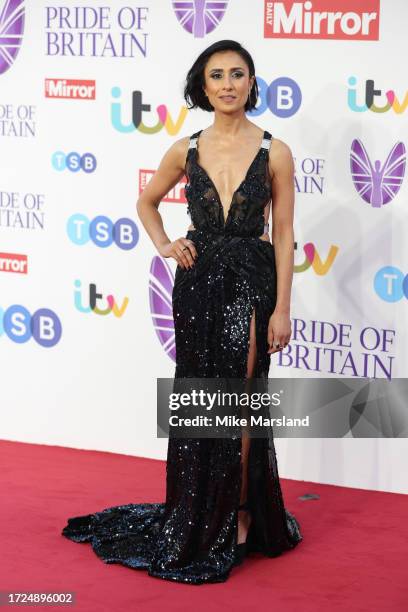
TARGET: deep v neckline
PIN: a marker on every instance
(225, 218)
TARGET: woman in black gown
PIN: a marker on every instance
(231, 312)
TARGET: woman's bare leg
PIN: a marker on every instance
(244, 517)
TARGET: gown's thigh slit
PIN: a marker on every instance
(245, 438)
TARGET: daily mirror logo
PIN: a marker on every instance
(15, 263)
(336, 19)
(11, 31)
(76, 89)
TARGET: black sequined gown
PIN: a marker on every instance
(191, 537)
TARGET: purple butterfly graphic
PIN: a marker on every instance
(375, 184)
(200, 17)
(160, 294)
(11, 32)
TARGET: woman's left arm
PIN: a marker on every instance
(282, 170)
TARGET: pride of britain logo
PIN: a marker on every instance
(376, 183)
(161, 285)
(11, 31)
(200, 17)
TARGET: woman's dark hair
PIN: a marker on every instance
(193, 91)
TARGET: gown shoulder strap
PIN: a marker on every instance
(192, 147)
(193, 140)
(266, 141)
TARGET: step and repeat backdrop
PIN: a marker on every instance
(91, 96)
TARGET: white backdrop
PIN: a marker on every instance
(95, 386)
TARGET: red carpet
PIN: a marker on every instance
(353, 556)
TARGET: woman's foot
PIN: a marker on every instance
(244, 521)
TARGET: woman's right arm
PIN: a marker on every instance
(169, 172)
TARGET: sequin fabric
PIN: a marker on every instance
(192, 536)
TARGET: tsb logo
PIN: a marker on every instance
(74, 162)
(103, 232)
(322, 19)
(282, 97)
(20, 326)
(390, 284)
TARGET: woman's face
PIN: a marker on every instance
(227, 81)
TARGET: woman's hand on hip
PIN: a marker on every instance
(182, 250)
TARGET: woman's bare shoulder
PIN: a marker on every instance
(280, 155)
(177, 152)
(182, 144)
(279, 147)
